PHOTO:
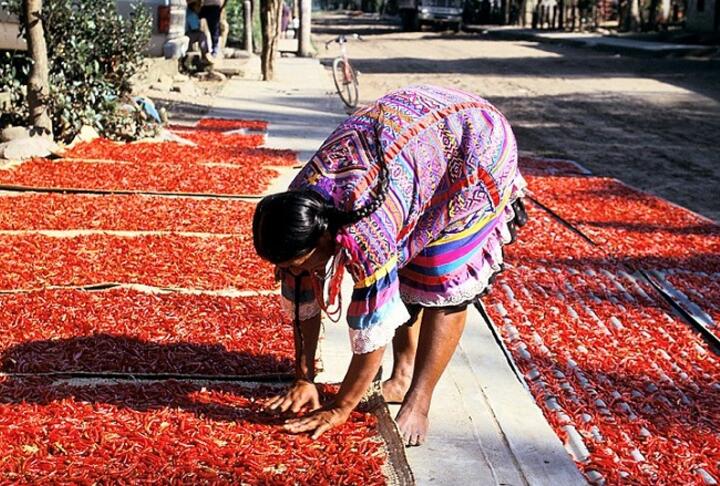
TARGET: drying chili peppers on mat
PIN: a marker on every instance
(176, 261)
(61, 212)
(127, 331)
(233, 149)
(218, 141)
(171, 432)
(224, 124)
(176, 177)
(644, 230)
(700, 287)
(631, 388)
(81, 294)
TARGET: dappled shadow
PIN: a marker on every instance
(349, 25)
(670, 156)
(105, 353)
(695, 261)
(167, 374)
(708, 229)
(680, 414)
(234, 402)
(692, 75)
(560, 60)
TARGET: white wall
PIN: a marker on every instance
(9, 30)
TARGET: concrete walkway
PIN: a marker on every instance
(486, 428)
(615, 44)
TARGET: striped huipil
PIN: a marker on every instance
(437, 239)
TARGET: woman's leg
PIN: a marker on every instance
(404, 347)
(439, 335)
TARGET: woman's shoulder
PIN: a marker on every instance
(341, 169)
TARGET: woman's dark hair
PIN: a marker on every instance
(290, 224)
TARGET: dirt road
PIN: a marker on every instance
(653, 123)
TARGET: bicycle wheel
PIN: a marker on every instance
(348, 89)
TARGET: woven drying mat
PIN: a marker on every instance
(397, 470)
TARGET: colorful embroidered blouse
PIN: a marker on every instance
(452, 161)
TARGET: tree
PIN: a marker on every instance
(659, 14)
(632, 20)
(270, 12)
(304, 47)
(78, 69)
(38, 89)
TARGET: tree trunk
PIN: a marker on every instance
(255, 15)
(38, 88)
(665, 14)
(632, 16)
(505, 9)
(652, 15)
(561, 14)
(248, 26)
(270, 13)
(304, 47)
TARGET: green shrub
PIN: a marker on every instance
(92, 53)
(236, 21)
(235, 10)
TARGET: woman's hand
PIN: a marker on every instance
(319, 422)
(302, 394)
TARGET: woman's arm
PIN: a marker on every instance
(306, 347)
(358, 379)
(360, 374)
(303, 392)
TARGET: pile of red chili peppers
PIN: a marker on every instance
(187, 297)
(206, 161)
(631, 388)
(170, 433)
(33, 211)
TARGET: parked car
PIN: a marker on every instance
(444, 13)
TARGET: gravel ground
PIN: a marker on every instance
(652, 123)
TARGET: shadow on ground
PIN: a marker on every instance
(105, 353)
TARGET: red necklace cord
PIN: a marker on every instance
(335, 296)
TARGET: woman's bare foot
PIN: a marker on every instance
(413, 422)
(394, 389)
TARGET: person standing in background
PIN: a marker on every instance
(211, 11)
(285, 19)
(193, 29)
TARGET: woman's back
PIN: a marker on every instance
(451, 157)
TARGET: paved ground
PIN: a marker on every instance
(621, 44)
(486, 429)
(653, 123)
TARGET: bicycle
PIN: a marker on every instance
(344, 75)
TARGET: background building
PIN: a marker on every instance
(168, 27)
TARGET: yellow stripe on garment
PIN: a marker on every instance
(503, 158)
(474, 228)
(380, 273)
